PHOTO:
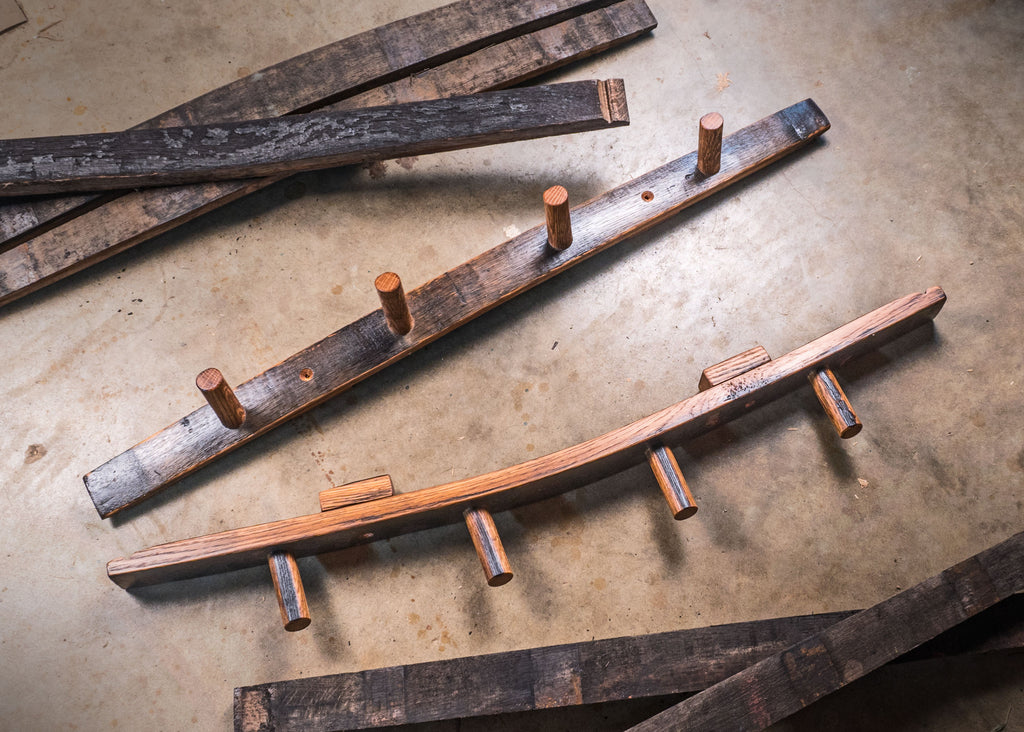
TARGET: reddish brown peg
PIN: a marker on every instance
(392, 300)
(488, 546)
(556, 213)
(222, 398)
(835, 403)
(291, 597)
(709, 144)
(673, 484)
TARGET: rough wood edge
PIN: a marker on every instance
(612, 93)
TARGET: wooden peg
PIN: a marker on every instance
(360, 491)
(709, 144)
(556, 213)
(673, 484)
(291, 597)
(488, 545)
(392, 300)
(835, 403)
(222, 398)
(732, 367)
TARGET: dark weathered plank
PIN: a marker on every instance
(782, 684)
(338, 70)
(367, 345)
(303, 142)
(633, 667)
(527, 482)
(122, 223)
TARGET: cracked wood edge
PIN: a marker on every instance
(568, 675)
(102, 231)
(324, 75)
(365, 346)
(531, 481)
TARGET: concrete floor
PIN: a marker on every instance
(918, 183)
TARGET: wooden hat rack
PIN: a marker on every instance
(369, 510)
(406, 322)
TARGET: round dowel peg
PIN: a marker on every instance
(291, 597)
(556, 213)
(835, 403)
(488, 546)
(392, 300)
(222, 398)
(671, 481)
(709, 144)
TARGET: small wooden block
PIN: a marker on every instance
(488, 546)
(709, 144)
(673, 484)
(359, 491)
(732, 367)
(291, 597)
(393, 302)
(833, 400)
(221, 398)
(556, 214)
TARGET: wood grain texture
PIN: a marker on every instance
(443, 304)
(297, 143)
(291, 596)
(592, 672)
(671, 481)
(835, 403)
(394, 303)
(709, 144)
(556, 216)
(101, 231)
(360, 491)
(732, 367)
(488, 546)
(221, 398)
(777, 686)
(327, 74)
(531, 481)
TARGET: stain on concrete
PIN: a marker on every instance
(376, 168)
(34, 453)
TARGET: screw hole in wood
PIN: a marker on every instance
(647, 196)
(306, 374)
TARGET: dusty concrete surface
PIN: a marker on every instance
(918, 183)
